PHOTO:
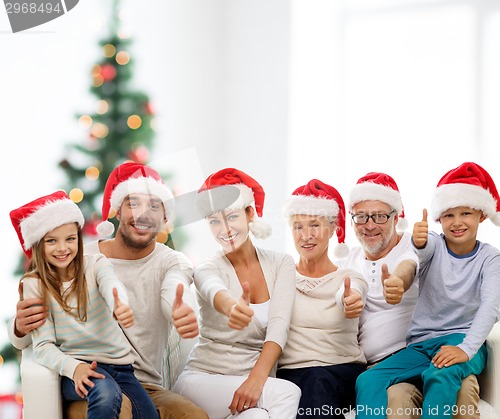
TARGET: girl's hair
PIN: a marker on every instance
(51, 283)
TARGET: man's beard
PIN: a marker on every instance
(378, 247)
(137, 244)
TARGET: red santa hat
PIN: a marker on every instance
(35, 219)
(230, 189)
(129, 178)
(318, 198)
(376, 186)
(468, 185)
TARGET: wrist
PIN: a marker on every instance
(17, 332)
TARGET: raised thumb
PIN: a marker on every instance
(178, 295)
(118, 303)
(347, 286)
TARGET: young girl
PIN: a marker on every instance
(80, 338)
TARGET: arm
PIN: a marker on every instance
(352, 294)
(45, 351)
(30, 314)
(176, 303)
(399, 281)
(282, 292)
(238, 311)
(112, 290)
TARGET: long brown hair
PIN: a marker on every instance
(50, 283)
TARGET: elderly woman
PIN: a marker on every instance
(246, 296)
(322, 355)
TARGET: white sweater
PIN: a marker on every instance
(319, 333)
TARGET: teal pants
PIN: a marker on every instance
(441, 385)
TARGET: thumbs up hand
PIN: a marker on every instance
(393, 286)
(353, 303)
(122, 312)
(420, 231)
(240, 314)
(183, 316)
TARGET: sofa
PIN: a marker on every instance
(42, 398)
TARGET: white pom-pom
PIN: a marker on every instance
(402, 224)
(495, 219)
(106, 228)
(260, 229)
(341, 251)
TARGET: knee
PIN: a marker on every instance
(287, 389)
(468, 395)
(404, 395)
(448, 375)
(105, 391)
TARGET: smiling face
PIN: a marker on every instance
(60, 247)
(311, 235)
(230, 228)
(141, 219)
(460, 227)
(376, 239)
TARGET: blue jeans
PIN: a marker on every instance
(105, 398)
(441, 385)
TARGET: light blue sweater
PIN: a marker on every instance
(457, 293)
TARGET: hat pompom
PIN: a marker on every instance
(495, 219)
(341, 251)
(260, 229)
(402, 224)
(105, 228)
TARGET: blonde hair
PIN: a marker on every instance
(50, 282)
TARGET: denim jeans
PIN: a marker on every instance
(441, 385)
(105, 398)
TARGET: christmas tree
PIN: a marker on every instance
(120, 129)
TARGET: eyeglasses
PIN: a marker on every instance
(376, 218)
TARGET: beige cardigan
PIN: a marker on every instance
(319, 333)
(222, 350)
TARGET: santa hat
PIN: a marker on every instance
(230, 189)
(468, 185)
(318, 198)
(129, 178)
(376, 186)
(35, 219)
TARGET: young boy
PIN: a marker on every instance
(459, 298)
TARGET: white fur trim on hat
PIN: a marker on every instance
(48, 217)
(454, 195)
(308, 205)
(369, 191)
(143, 185)
(245, 199)
(210, 202)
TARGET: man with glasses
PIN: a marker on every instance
(389, 265)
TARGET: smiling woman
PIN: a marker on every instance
(246, 296)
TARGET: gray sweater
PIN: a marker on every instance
(458, 294)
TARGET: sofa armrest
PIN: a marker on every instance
(489, 380)
(41, 389)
